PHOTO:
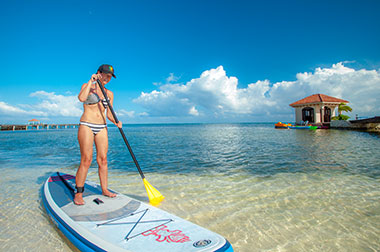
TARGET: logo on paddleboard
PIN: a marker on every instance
(164, 234)
(201, 243)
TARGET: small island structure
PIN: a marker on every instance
(34, 122)
(316, 109)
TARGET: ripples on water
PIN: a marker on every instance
(256, 149)
(261, 188)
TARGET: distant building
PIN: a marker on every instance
(316, 109)
(33, 122)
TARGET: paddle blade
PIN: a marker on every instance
(155, 197)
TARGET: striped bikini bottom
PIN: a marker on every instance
(96, 128)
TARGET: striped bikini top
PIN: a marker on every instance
(94, 98)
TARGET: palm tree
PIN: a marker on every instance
(344, 107)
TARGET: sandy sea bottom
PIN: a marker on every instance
(320, 211)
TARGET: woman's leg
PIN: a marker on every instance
(86, 143)
(101, 143)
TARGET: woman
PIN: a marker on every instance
(93, 128)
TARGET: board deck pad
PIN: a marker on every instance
(121, 223)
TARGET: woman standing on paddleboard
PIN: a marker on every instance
(93, 128)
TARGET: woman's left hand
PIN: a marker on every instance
(119, 124)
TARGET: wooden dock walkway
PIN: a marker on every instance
(14, 127)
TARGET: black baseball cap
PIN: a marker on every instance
(106, 69)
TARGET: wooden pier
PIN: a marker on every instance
(14, 127)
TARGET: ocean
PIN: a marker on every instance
(262, 188)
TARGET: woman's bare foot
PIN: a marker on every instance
(109, 194)
(78, 199)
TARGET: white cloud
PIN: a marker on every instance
(6, 109)
(214, 94)
(193, 111)
(123, 112)
(143, 114)
(58, 105)
(172, 78)
(359, 87)
(9, 109)
(48, 105)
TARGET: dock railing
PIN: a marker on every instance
(14, 127)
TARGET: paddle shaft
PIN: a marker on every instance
(120, 129)
(71, 189)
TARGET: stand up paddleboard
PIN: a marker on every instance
(121, 223)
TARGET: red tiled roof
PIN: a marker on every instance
(317, 98)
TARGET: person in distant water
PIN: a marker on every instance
(93, 128)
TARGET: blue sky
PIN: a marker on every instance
(188, 61)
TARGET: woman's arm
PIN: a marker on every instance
(83, 94)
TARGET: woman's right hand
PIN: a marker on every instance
(94, 77)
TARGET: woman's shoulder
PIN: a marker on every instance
(109, 93)
(84, 85)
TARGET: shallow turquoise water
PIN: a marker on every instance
(263, 189)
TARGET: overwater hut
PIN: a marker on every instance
(33, 122)
(316, 109)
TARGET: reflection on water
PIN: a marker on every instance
(263, 189)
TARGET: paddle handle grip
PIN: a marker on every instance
(120, 129)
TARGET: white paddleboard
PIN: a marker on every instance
(121, 223)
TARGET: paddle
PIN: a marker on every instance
(155, 197)
(71, 189)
